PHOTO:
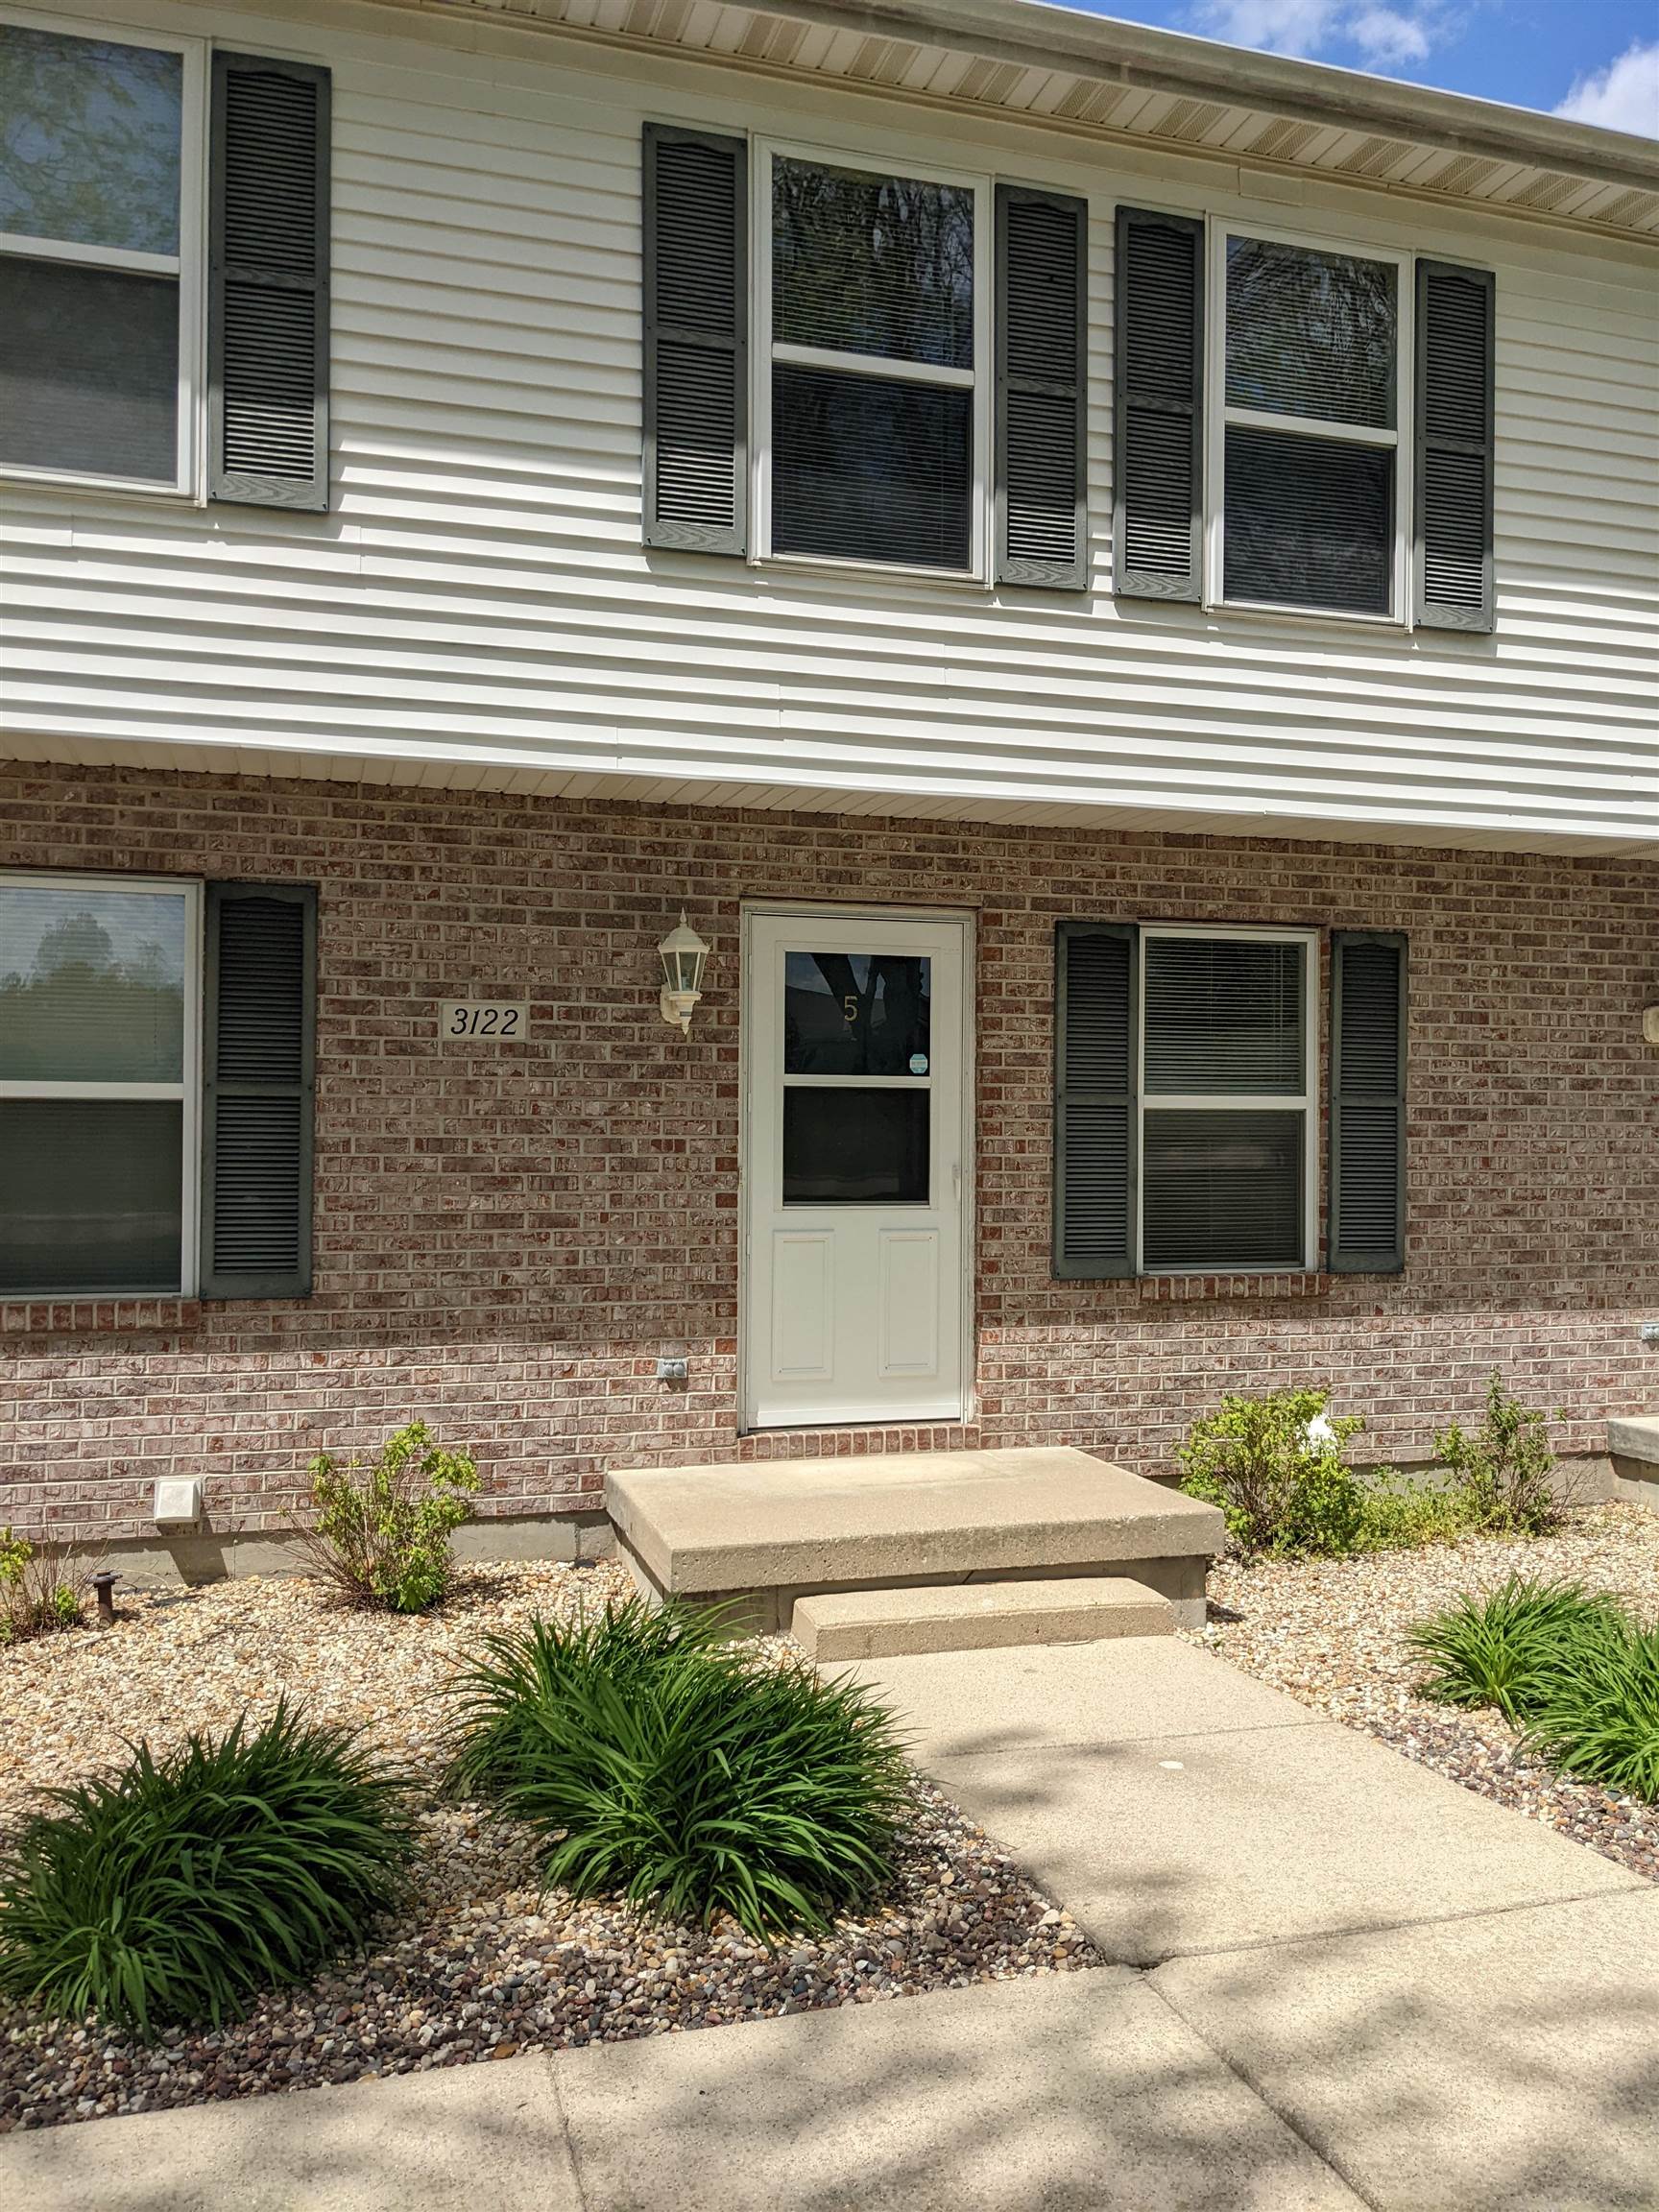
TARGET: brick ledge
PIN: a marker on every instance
(1166, 1289)
(95, 1316)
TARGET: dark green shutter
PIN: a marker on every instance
(268, 284)
(1453, 549)
(696, 293)
(1367, 1198)
(1157, 465)
(257, 1061)
(1041, 388)
(1094, 1102)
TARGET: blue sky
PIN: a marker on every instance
(1597, 59)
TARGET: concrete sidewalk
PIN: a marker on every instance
(1346, 1982)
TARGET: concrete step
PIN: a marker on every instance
(769, 1531)
(1633, 1447)
(977, 1616)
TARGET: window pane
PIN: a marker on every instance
(91, 985)
(855, 1014)
(1309, 522)
(1224, 1014)
(856, 1147)
(89, 136)
(863, 470)
(91, 1194)
(88, 370)
(1310, 334)
(871, 264)
(1221, 1189)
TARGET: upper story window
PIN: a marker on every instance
(873, 400)
(1301, 425)
(1307, 380)
(100, 219)
(113, 149)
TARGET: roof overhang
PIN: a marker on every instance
(1091, 76)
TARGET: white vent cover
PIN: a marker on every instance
(177, 1504)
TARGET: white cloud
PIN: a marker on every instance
(1625, 96)
(1272, 26)
(1385, 34)
(1378, 33)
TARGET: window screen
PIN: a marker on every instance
(872, 274)
(1225, 1100)
(91, 154)
(1311, 425)
(96, 993)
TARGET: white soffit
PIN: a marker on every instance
(1090, 76)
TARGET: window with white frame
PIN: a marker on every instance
(100, 158)
(100, 986)
(1227, 1120)
(873, 297)
(1307, 394)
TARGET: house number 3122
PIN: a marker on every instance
(483, 1018)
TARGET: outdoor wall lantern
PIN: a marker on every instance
(684, 954)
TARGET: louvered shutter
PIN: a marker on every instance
(268, 284)
(1094, 1105)
(1041, 386)
(1158, 466)
(1367, 1198)
(257, 1083)
(696, 282)
(1453, 552)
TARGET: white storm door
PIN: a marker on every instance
(855, 1169)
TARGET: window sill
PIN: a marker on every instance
(127, 488)
(1293, 1283)
(95, 1316)
(1348, 617)
(882, 572)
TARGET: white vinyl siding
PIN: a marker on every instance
(479, 606)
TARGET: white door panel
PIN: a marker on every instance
(907, 1269)
(803, 1307)
(855, 1133)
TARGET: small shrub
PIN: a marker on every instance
(382, 1529)
(1597, 1714)
(1503, 1468)
(43, 1587)
(174, 1890)
(1283, 1483)
(1398, 1515)
(654, 1761)
(1513, 1646)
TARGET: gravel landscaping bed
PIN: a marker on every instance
(1332, 1632)
(477, 1965)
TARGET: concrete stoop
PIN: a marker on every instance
(765, 1535)
(977, 1616)
(1633, 1447)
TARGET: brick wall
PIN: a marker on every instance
(506, 1243)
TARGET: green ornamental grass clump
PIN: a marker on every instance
(1507, 1648)
(383, 1528)
(177, 1888)
(1599, 1718)
(1572, 1670)
(654, 1760)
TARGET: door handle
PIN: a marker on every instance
(957, 1180)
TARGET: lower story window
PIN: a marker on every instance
(100, 984)
(1185, 1112)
